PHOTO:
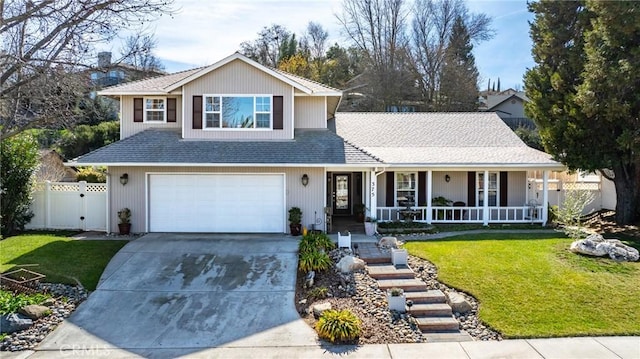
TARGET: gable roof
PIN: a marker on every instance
(165, 147)
(162, 85)
(439, 139)
(495, 100)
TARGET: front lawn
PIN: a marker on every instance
(529, 285)
(61, 259)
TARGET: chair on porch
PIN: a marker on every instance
(344, 241)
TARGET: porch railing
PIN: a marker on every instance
(511, 214)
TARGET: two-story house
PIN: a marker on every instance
(232, 146)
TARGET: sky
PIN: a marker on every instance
(203, 32)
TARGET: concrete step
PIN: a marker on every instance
(437, 324)
(456, 336)
(375, 259)
(389, 271)
(409, 285)
(428, 296)
(431, 310)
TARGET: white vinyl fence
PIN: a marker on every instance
(69, 205)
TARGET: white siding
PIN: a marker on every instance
(237, 77)
(608, 191)
(310, 112)
(517, 188)
(454, 190)
(514, 107)
(310, 198)
(129, 128)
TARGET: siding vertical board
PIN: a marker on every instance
(310, 112)
(422, 189)
(171, 110)
(471, 189)
(197, 112)
(238, 77)
(278, 113)
(390, 202)
(129, 128)
(504, 188)
(138, 109)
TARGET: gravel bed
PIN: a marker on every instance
(359, 293)
(64, 302)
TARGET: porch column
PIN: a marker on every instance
(545, 196)
(373, 189)
(429, 196)
(485, 202)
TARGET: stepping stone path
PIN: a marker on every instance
(430, 309)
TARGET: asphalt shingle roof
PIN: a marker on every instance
(156, 146)
(437, 139)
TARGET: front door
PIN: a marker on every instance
(341, 194)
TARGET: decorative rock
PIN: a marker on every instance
(349, 264)
(458, 302)
(318, 309)
(389, 242)
(35, 311)
(308, 283)
(596, 245)
(13, 322)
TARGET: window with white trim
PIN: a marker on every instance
(492, 194)
(237, 111)
(155, 109)
(406, 189)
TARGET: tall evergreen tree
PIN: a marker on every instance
(583, 90)
(459, 88)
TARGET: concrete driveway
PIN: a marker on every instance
(166, 295)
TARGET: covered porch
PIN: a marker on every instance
(457, 195)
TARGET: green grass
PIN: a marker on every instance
(61, 259)
(529, 285)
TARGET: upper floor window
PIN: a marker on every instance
(155, 109)
(237, 111)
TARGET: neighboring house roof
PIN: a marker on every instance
(154, 146)
(166, 84)
(495, 100)
(438, 139)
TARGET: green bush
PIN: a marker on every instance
(91, 175)
(338, 326)
(18, 163)
(10, 302)
(318, 293)
(314, 260)
(316, 241)
(84, 138)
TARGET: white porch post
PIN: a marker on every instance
(545, 196)
(373, 189)
(429, 196)
(367, 189)
(485, 202)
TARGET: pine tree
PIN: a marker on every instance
(459, 80)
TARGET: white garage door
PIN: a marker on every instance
(240, 203)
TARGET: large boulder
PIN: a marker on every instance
(349, 264)
(14, 322)
(596, 245)
(458, 302)
(389, 242)
(35, 311)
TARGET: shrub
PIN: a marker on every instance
(18, 163)
(318, 293)
(314, 260)
(338, 326)
(10, 302)
(315, 241)
(91, 175)
(85, 138)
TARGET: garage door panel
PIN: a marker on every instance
(216, 203)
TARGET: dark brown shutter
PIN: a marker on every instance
(278, 112)
(171, 110)
(391, 189)
(197, 113)
(422, 188)
(471, 189)
(138, 109)
(504, 180)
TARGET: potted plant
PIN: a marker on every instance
(125, 221)
(370, 226)
(295, 218)
(440, 201)
(358, 210)
(397, 300)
